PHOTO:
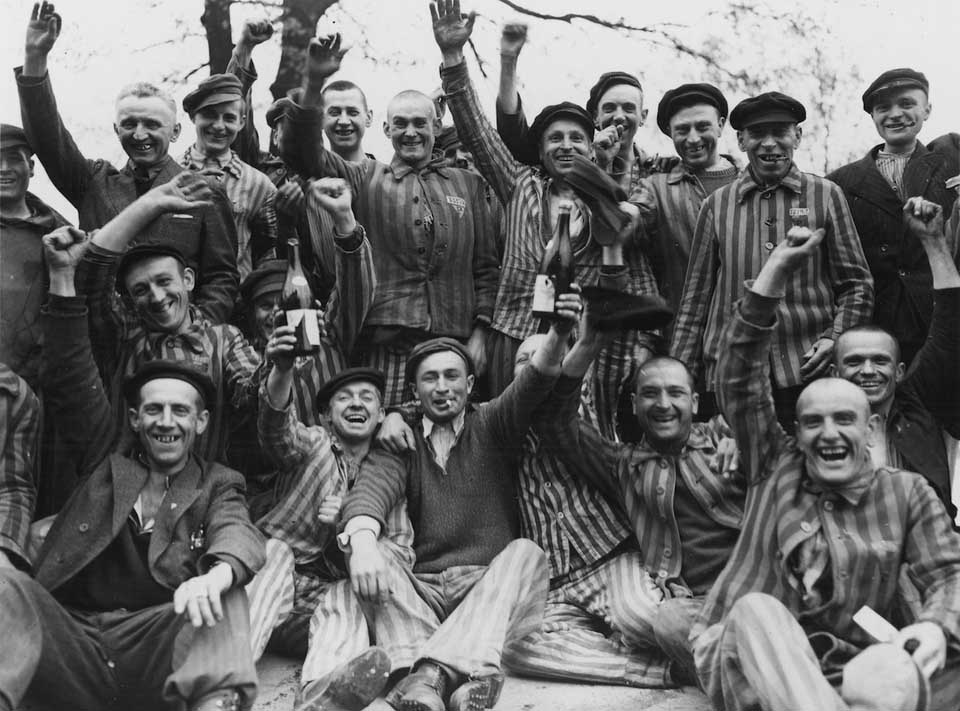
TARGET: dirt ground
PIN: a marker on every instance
(279, 678)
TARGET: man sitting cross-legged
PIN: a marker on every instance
(137, 599)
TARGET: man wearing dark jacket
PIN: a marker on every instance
(137, 598)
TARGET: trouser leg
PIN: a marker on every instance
(759, 658)
(338, 631)
(270, 595)
(671, 626)
(391, 360)
(506, 603)
(501, 353)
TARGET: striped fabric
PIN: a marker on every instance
(19, 436)
(252, 197)
(270, 595)
(391, 360)
(896, 520)
(570, 646)
(892, 167)
(739, 225)
(121, 345)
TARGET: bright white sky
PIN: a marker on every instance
(105, 45)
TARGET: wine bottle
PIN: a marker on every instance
(297, 305)
(556, 268)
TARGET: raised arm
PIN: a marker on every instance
(849, 273)
(492, 157)
(511, 121)
(247, 142)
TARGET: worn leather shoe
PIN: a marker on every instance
(477, 693)
(349, 687)
(222, 700)
(423, 689)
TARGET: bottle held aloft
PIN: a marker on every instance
(556, 268)
(297, 306)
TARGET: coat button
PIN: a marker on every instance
(769, 245)
(884, 247)
(667, 552)
(828, 506)
(418, 221)
(173, 505)
(83, 527)
(806, 527)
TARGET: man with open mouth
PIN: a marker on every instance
(825, 533)
(740, 225)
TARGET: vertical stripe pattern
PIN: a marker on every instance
(270, 595)
(19, 436)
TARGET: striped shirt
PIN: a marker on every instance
(892, 167)
(646, 482)
(121, 345)
(669, 204)
(19, 435)
(315, 463)
(524, 191)
(738, 227)
(430, 230)
(894, 520)
(252, 197)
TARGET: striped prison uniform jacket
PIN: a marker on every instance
(252, 198)
(19, 436)
(891, 519)
(738, 227)
(121, 344)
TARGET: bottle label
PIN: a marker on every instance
(306, 322)
(544, 294)
(298, 280)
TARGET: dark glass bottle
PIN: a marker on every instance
(556, 269)
(297, 305)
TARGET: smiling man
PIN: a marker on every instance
(146, 124)
(217, 111)
(825, 532)
(150, 554)
(878, 185)
(739, 226)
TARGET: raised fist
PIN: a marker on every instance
(64, 247)
(324, 56)
(256, 32)
(512, 38)
(43, 29)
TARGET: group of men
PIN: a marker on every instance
(752, 497)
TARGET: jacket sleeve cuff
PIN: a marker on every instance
(758, 310)
(65, 306)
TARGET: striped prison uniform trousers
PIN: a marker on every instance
(598, 628)
(391, 360)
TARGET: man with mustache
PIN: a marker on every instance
(146, 124)
(878, 185)
(825, 533)
(740, 225)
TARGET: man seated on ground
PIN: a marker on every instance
(19, 437)
(155, 318)
(216, 109)
(532, 199)
(476, 585)
(825, 533)
(428, 224)
(138, 597)
(739, 226)
(302, 602)
(146, 125)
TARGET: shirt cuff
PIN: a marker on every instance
(759, 310)
(355, 525)
(351, 243)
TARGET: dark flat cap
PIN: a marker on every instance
(601, 193)
(267, 277)
(769, 107)
(555, 112)
(215, 89)
(138, 253)
(184, 370)
(902, 78)
(605, 82)
(615, 310)
(13, 137)
(345, 377)
(435, 345)
(687, 95)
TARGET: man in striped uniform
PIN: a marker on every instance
(19, 437)
(825, 532)
(740, 225)
(217, 111)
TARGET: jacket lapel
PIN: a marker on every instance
(920, 169)
(873, 187)
(128, 481)
(184, 490)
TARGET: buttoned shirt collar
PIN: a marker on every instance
(402, 169)
(197, 161)
(746, 183)
(457, 424)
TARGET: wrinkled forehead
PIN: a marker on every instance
(442, 361)
(169, 391)
(831, 395)
(145, 107)
(664, 373)
(411, 106)
(150, 268)
(866, 343)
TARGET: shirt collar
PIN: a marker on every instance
(853, 493)
(197, 161)
(698, 439)
(747, 184)
(681, 172)
(400, 169)
(457, 424)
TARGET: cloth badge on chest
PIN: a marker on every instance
(458, 203)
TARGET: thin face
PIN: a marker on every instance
(146, 126)
(355, 411)
(160, 291)
(695, 131)
(525, 352)
(218, 125)
(443, 386)
(411, 127)
(345, 119)
(563, 139)
(869, 359)
(769, 148)
(622, 105)
(664, 403)
(899, 114)
(834, 426)
(265, 309)
(168, 421)
(16, 169)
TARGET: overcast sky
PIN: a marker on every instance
(105, 45)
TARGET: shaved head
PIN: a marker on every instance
(412, 96)
(831, 389)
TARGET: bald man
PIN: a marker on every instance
(825, 533)
(428, 224)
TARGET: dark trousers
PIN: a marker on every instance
(55, 658)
